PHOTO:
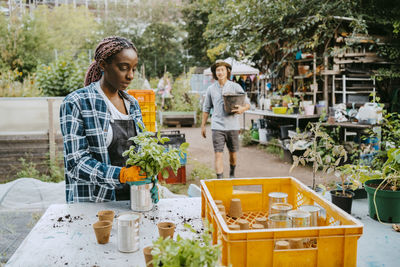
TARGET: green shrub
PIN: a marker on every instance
(62, 76)
(246, 138)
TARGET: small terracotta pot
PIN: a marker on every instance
(296, 243)
(282, 245)
(106, 215)
(166, 229)
(244, 224)
(102, 229)
(235, 210)
(218, 202)
(147, 256)
(234, 227)
(221, 208)
(257, 226)
(263, 221)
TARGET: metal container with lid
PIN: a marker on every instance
(276, 197)
(299, 218)
(281, 208)
(141, 197)
(314, 211)
(279, 221)
(128, 232)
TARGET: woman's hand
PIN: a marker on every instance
(131, 174)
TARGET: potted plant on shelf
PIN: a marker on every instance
(384, 193)
(186, 252)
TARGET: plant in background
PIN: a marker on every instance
(10, 86)
(314, 141)
(62, 76)
(153, 158)
(200, 171)
(246, 138)
(191, 252)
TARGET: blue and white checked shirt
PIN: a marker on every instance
(84, 120)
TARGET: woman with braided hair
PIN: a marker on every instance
(96, 123)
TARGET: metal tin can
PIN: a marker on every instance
(276, 197)
(314, 211)
(279, 221)
(299, 218)
(281, 208)
(141, 197)
(128, 232)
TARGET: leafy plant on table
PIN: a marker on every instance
(186, 252)
(153, 158)
(318, 141)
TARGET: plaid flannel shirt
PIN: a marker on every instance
(84, 120)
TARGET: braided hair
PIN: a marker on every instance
(106, 50)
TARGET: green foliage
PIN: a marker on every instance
(160, 48)
(30, 39)
(186, 252)
(195, 14)
(246, 138)
(183, 100)
(201, 171)
(151, 157)
(10, 86)
(318, 140)
(54, 173)
(62, 76)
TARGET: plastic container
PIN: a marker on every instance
(230, 101)
(309, 110)
(147, 103)
(334, 242)
(279, 110)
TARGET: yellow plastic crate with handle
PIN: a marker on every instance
(332, 243)
(147, 103)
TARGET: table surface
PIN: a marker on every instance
(348, 125)
(53, 243)
(59, 241)
(271, 114)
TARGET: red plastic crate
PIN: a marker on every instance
(180, 178)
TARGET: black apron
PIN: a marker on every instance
(122, 131)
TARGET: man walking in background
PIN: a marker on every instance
(225, 127)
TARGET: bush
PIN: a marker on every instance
(62, 76)
(10, 86)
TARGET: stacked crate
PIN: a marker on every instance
(176, 139)
(147, 103)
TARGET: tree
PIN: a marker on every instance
(160, 47)
(31, 40)
(195, 14)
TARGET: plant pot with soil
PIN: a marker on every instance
(166, 229)
(343, 200)
(384, 194)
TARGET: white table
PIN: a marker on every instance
(72, 242)
(270, 114)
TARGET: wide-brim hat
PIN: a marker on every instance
(218, 63)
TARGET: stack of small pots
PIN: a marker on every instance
(165, 230)
(102, 228)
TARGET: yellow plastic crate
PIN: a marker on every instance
(149, 117)
(147, 106)
(332, 243)
(150, 126)
(143, 95)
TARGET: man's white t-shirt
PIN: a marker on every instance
(115, 114)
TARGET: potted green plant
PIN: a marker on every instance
(186, 252)
(384, 193)
(343, 198)
(152, 157)
(315, 141)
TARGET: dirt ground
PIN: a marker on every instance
(252, 161)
